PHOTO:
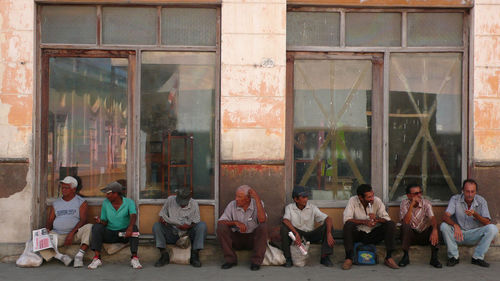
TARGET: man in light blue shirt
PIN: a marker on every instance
(467, 221)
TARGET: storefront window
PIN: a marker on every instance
(332, 126)
(87, 122)
(177, 118)
(425, 128)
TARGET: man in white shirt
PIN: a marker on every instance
(367, 221)
(299, 218)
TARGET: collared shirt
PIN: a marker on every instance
(248, 217)
(117, 219)
(420, 216)
(304, 219)
(355, 210)
(175, 215)
(457, 206)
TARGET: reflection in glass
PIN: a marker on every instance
(177, 123)
(332, 126)
(87, 135)
(425, 128)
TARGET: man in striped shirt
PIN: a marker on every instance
(419, 225)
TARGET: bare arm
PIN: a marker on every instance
(458, 231)
(240, 225)
(261, 213)
(50, 219)
(290, 226)
(407, 217)
(478, 217)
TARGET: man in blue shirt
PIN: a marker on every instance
(467, 221)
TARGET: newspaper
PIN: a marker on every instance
(43, 240)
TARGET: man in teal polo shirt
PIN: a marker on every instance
(118, 216)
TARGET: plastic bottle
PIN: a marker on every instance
(301, 246)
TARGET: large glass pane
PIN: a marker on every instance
(332, 126)
(177, 123)
(435, 29)
(425, 128)
(69, 24)
(312, 29)
(188, 26)
(129, 25)
(87, 135)
(373, 29)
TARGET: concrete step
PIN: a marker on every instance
(212, 254)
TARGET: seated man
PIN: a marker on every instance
(366, 221)
(243, 226)
(299, 218)
(180, 216)
(68, 219)
(419, 225)
(467, 221)
(116, 225)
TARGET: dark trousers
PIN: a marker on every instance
(167, 234)
(318, 235)
(101, 234)
(410, 236)
(384, 231)
(256, 241)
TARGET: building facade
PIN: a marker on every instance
(214, 94)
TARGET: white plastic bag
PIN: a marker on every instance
(298, 258)
(273, 256)
(179, 255)
(29, 258)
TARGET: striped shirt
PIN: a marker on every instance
(421, 215)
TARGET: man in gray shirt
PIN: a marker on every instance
(180, 216)
(243, 226)
(467, 221)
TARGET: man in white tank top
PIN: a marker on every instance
(68, 219)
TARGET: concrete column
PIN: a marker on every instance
(253, 72)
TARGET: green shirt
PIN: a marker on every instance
(117, 219)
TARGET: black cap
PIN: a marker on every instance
(183, 196)
(300, 190)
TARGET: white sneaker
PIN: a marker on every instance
(95, 263)
(66, 260)
(78, 262)
(134, 262)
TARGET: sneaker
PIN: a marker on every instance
(480, 262)
(452, 261)
(78, 262)
(95, 263)
(66, 260)
(134, 262)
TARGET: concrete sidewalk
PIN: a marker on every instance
(211, 272)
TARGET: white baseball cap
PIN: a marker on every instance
(71, 181)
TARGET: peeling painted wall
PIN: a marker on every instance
(487, 80)
(16, 107)
(253, 78)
